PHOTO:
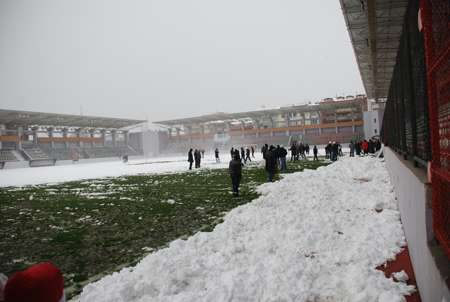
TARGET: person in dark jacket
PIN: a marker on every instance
(264, 150)
(293, 150)
(232, 152)
(216, 153)
(247, 155)
(197, 158)
(236, 154)
(243, 155)
(271, 163)
(315, 151)
(235, 169)
(283, 153)
(358, 148)
(190, 159)
(351, 146)
(253, 151)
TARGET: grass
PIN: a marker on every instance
(93, 227)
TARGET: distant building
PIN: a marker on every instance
(373, 118)
(338, 119)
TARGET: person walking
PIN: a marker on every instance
(253, 151)
(352, 149)
(190, 159)
(197, 158)
(243, 155)
(283, 153)
(232, 152)
(293, 150)
(247, 155)
(235, 169)
(271, 163)
(216, 153)
(315, 153)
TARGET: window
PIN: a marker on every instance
(375, 131)
(374, 120)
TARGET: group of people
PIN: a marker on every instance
(364, 147)
(300, 150)
(195, 156)
(243, 154)
(333, 150)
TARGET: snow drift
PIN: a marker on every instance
(313, 236)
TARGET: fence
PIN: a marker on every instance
(417, 115)
(436, 21)
(406, 119)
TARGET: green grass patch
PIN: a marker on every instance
(93, 227)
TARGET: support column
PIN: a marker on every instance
(19, 136)
(287, 123)
(64, 134)
(78, 136)
(335, 122)
(189, 132)
(114, 137)
(103, 132)
(91, 135)
(353, 122)
(272, 125)
(2, 132)
(50, 136)
(35, 135)
(178, 134)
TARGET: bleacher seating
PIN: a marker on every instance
(7, 155)
(33, 152)
(98, 152)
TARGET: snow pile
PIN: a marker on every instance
(401, 276)
(313, 236)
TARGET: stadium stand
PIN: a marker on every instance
(7, 155)
(33, 152)
(42, 138)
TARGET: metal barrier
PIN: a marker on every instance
(406, 120)
(417, 115)
(435, 15)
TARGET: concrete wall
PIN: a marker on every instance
(413, 194)
(372, 123)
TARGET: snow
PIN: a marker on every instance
(80, 171)
(313, 236)
(401, 276)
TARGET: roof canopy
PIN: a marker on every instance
(256, 114)
(15, 118)
(375, 27)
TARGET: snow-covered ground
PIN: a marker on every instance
(79, 171)
(314, 236)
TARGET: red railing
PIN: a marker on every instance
(435, 17)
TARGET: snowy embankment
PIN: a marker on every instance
(80, 171)
(313, 236)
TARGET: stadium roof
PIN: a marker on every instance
(16, 118)
(221, 116)
(375, 27)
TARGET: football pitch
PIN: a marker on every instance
(94, 227)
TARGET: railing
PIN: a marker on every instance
(436, 24)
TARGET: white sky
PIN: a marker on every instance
(172, 58)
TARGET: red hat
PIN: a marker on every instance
(42, 282)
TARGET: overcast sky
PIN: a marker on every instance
(163, 59)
